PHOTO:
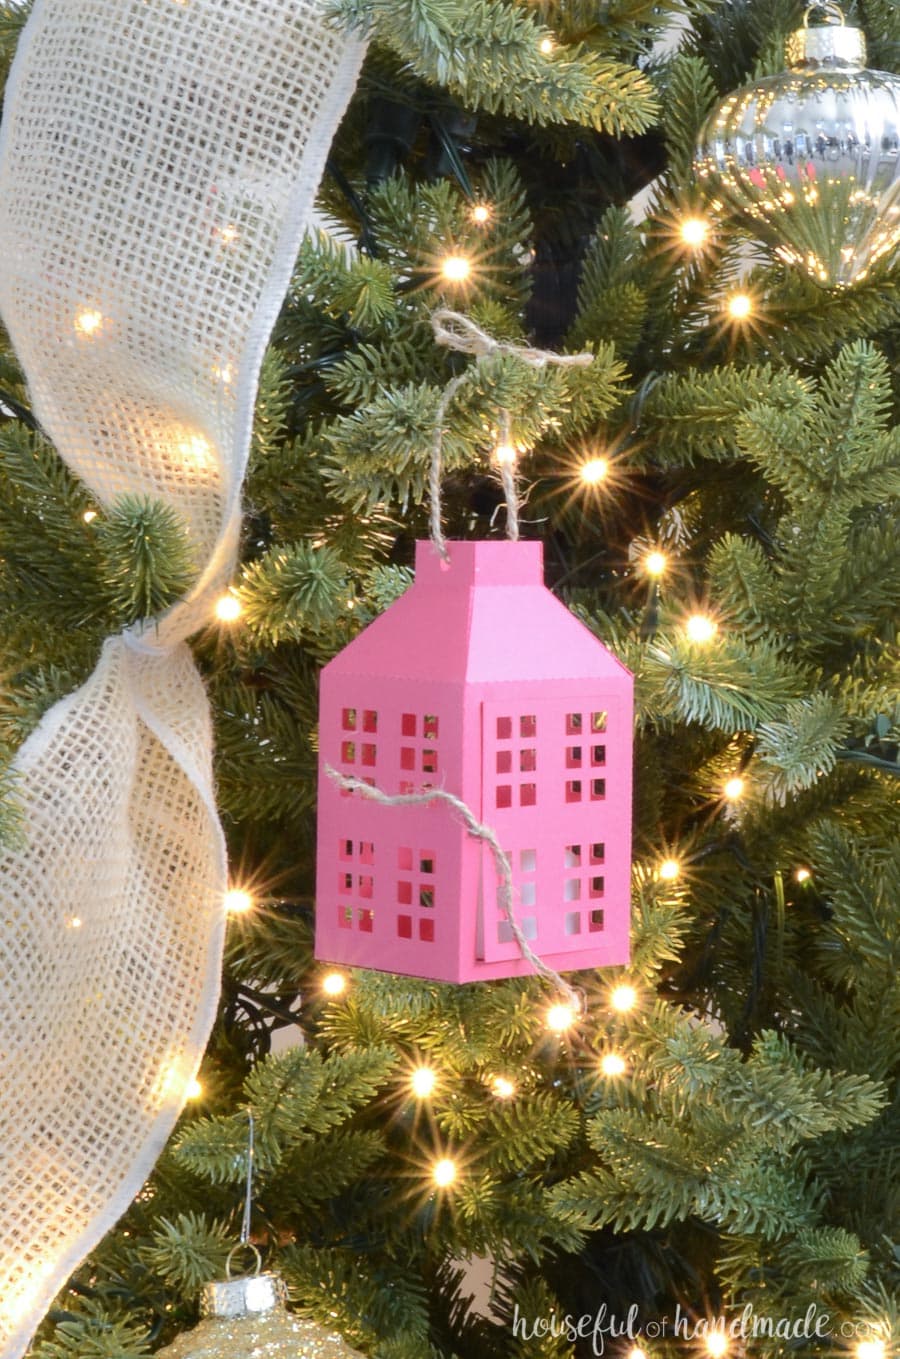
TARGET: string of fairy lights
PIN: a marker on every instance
(423, 1082)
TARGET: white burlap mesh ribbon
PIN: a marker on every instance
(158, 160)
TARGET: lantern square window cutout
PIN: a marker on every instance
(479, 683)
(528, 926)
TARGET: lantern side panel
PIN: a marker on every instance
(556, 787)
(389, 879)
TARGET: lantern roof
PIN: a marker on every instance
(485, 616)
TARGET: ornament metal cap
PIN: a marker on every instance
(251, 1295)
(832, 45)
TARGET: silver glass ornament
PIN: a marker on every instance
(810, 159)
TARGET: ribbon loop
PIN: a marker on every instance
(158, 162)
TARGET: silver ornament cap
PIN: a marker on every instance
(246, 1318)
(810, 159)
(252, 1296)
(834, 44)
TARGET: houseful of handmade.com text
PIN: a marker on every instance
(603, 1325)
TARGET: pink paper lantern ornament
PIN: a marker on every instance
(479, 682)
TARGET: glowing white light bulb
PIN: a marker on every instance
(89, 322)
(740, 306)
(194, 1089)
(612, 1064)
(443, 1172)
(334, 984)
(669, 870)
(503, 1087)
(694, 231)
(655, 563)
(196, 449)
(636, 1353)
(593, 471)
(546, 46)
(422, 1082)
(716, 1344)
(734, 789)
(481, 213)
(560, 1018)
(701, 628)
(238, 902)
(505, 455)
(228, 233)
(89, 516)
(228, 608)
(623, 997)
(870, 1349)
(456, 268)
(74, 922)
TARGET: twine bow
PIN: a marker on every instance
(460, 333)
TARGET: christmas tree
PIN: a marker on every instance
(715, 1139)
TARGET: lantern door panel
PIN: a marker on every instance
(556, 788)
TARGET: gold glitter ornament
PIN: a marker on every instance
(247, 1319)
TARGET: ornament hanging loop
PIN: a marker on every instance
(834, 13)
(257, 1260)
